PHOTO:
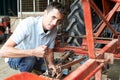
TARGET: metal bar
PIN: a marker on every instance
(106, 6)
(100, 14)
(66, 55)
(67, 65)
(85, 37)
(4, 7)
(48, 2)
(95, 71)
(98, 75)
(47, 68)
(99, 40)
(34, 6)
(20, 9)
(77, 50)
(83, 71)
(71, 63)
(116, 0)
(109, 47)
(18, 6)
(88, 25)
(109, 16)
(117, 56)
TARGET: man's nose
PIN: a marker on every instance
(55, 22)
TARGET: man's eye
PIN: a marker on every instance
(59, 21)
(53, 17)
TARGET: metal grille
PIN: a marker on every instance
(29, 6)
(40, 5)
(36, 7)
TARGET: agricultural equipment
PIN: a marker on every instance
(99, 40)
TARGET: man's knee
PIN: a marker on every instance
(12, 65)
(27, 64)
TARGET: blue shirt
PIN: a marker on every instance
(29, 34)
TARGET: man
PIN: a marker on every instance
(34, 39)
(4, 28)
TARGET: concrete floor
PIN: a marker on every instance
(113, 72)
(5, 71)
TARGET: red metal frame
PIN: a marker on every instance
(92, 67)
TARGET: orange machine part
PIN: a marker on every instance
(27, 76)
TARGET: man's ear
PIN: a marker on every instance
(45, 12)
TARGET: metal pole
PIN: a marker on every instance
(47, 68)
(33, 5)
(4, 7)
(48, 2)
(20, 8)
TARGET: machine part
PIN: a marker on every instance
(65, 57)
(48, 71)
(27, 76)
(64, 69)
(71, 63)
(47, 68)
(110, 57)
(66, 61)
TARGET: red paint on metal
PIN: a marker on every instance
(27, 76)
(88, 25)
(83, 71)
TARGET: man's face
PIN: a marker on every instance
(5, 22)
(51, 19)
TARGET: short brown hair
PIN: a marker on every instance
(61, 8)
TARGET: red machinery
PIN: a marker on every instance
(98, 57)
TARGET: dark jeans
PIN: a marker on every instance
(26, 64)
(2, 38)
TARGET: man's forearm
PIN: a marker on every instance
(14, 52)
(50, 57)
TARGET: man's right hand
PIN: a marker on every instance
(40, 51)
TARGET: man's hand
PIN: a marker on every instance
(40, 51)
(53, 68)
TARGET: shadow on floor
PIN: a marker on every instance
(114, 70)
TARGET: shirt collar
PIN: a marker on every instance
(40, 26)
